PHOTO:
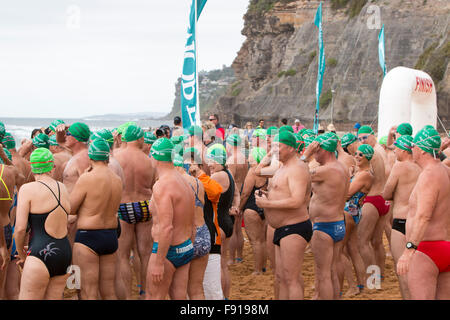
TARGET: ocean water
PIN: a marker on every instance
(21, 128)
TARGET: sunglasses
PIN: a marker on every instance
(363, 138)
(212, 119)
(359, 154)
(68, 134)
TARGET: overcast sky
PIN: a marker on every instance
(61, 58)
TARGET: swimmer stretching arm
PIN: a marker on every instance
(297, 188)
(425, 207)
(391, 137)
(268, 166)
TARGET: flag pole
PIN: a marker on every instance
(197, 113)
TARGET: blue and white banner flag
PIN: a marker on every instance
(190, 112)
(321, 67)
(381, 52)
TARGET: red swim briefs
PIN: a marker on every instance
(379, 203)
(438, 251)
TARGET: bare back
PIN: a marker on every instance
(138, 172)
(173, 195)
(194, 183)
(330, 183)
(101, 190)
(41, 200)
(407, 173)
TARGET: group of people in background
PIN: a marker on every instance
(172, 207)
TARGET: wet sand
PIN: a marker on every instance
(246, 286)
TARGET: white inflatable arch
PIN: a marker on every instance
(407, 95)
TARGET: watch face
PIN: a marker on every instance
(408, 245)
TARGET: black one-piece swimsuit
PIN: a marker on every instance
(55, 253)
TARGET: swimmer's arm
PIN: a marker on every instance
(357, 184)
(249, 182)
(391, 184)
(267, 169)
(163, 203)
(318, 174)
(426, 203)
(25, 148)
(22, 211)
(236, 198)
(78, 194)
(20, 179)
(391, 135)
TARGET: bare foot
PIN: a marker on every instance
(352, 292)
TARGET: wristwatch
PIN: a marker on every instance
(410, 245)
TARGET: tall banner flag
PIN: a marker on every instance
(381, 55)
(190, 111)
(321, 68)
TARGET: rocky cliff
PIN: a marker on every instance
(276, 67)
(213, 84)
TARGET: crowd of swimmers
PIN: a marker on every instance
(169, 209)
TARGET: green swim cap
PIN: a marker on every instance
(365, 129)
(41, 161)
(41, 141)
(288, 128)
(195, 130)
(300, 143)
(405, 128)
(133, 133)
(8, 154)
(217, 153)
(123, 127)
(428, 140)
(8, 141)
(272, 131)
(80, 131)
(54, 124)
(328, 141)
(162, 150)
(52, 141)
(347, 139)
(287, 138)
(259, 133)
(366, 150)
(176, 139)
(2, 130)
(383, 140)
(258, 154)
(308, 133)
(178, 161)
(405, 142)
(234, 140)
(103, 134)
(301, 131)
(149, 138)
(99, 150)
